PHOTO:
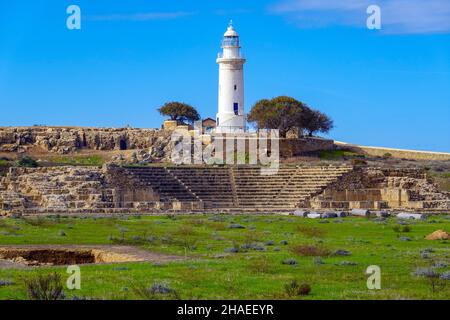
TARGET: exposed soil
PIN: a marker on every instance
(438, 235)
(55, 255)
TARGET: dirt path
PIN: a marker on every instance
(13, 256)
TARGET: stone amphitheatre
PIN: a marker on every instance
(138, 178)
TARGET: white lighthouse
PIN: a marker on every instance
(231, 118)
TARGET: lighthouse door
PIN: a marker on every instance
(236, 108)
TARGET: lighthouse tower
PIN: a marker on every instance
(230, 118)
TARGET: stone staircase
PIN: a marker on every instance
(163, 182)
(236, 189)
(291, 187)
(213, 186)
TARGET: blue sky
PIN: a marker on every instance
(388, 87)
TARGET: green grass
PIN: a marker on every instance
(78, 160)
(211, 273)
(338, 155)
(442, 179)
(4, 163)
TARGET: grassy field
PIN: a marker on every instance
(242, 257)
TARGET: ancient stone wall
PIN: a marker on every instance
(69, 139)
(154, 189)
(155, 144)
(382, 188)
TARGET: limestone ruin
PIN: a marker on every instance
(159, 189)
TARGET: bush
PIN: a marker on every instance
(294, 289)
(434, 278)
(27, 162)
(341, 252)
(159, 290)
(310, 251)
(236, 226)
(445, 275)
(260, 265)
(290, 262)
(38, 221)
(311, 232)
(45, 287)
(405, 228)
(4, 283)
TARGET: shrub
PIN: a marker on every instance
(236, 226)
(45, 287)
(27, 162)
(318, 261)
(440, 264)
(159, 290)
(38, 221)
(231, 250)
(260, 265)
(290, 262)
(294, 289)
(310, 231)
(310, 251)
(341, 252)
(434, 278)
(446, 275)
(406, 229)
(185, 231)
(4, 283)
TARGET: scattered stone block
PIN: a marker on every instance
(329, 215)
(360, 212)
(407, 215)
(300, 213)
(382, 214)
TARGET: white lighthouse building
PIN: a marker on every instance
(231, 118)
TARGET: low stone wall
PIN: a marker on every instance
(299, 146)
(395, 153)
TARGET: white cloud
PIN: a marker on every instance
(398, 16)
(146, 16)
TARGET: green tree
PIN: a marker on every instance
(282, 113)
(286, 113)
(316, 121)
(180, 112)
